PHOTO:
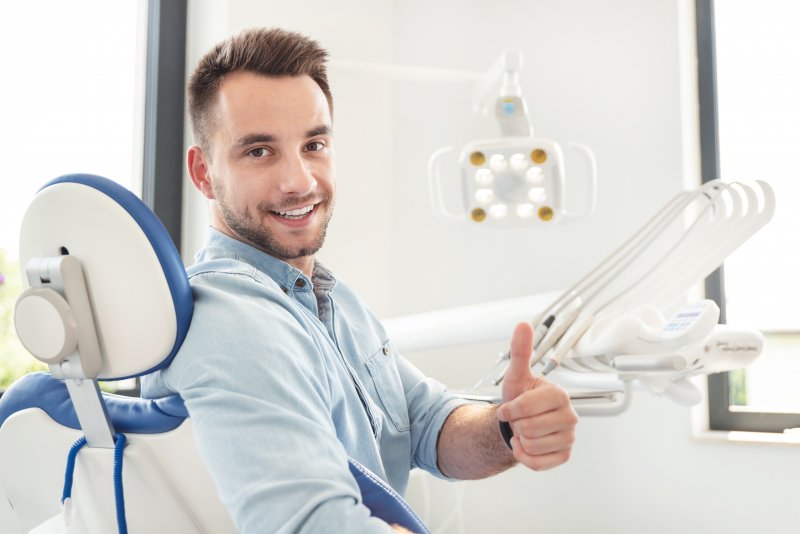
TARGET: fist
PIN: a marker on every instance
(540, 413)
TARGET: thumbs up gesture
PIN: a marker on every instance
(539, 412)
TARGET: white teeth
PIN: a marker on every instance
(296, 213)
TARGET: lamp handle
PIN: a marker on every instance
(592, 179)
(435, 184)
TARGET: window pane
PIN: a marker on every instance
(74, 100)
(758, 82)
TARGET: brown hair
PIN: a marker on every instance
(270, 52)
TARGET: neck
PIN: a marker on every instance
(304, 263)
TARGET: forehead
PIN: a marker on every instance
(280, 106)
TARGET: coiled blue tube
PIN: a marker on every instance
(119, 496)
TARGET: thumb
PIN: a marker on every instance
(518, 377)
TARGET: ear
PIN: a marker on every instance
(197, 163)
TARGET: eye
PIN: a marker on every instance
(259, 152)
(315, 146)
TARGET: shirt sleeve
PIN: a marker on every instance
(429, 406)
(260, 410)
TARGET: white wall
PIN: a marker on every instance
(616, 75)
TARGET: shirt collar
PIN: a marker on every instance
(218, 245)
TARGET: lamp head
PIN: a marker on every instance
(513, 181)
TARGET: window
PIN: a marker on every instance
(749, 82)
(95, 90)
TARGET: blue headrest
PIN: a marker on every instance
(137, 283)
(128, 414)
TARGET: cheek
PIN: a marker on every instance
(326, 175)
(237, 187)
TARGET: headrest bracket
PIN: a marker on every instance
(54, 321)
(92, 414)
(57, 291)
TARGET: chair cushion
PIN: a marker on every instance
(128, 414)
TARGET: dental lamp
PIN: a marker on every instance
(516, 180)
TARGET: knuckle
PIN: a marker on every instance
(527, 427)
(539, 464)
(571, 438)
(573, 418)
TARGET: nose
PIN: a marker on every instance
(296, 177)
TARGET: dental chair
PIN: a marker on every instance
(108, 299)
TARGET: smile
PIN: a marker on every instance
(298, 213)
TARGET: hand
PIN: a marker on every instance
(539, 412)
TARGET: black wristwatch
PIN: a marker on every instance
(506, 432)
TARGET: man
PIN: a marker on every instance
(284, 371)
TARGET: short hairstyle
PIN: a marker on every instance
(270, 52)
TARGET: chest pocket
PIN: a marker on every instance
(383, 370)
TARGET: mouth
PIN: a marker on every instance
(296, 214)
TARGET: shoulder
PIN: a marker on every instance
(226, 270)
(243, 323)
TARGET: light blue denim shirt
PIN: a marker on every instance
(284, 378)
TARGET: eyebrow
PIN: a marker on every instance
(253, 139)
(319, 130)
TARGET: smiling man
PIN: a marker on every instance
(273, 181)
(284, 371)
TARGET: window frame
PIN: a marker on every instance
(722, 415)
(162, 178)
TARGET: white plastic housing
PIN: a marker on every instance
(167, 486)
(129, 296)
(508, 182)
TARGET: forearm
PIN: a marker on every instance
(470, 445)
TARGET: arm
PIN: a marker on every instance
(261, 412)
(543, 421)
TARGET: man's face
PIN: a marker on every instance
(269, 167)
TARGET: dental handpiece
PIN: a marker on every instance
(570, 338)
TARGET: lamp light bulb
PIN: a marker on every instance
(525, 211)
(535, 175)
(518, 162)
(483, 177)
(498, 210)
(498, 163)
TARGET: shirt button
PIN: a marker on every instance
(300, 283)
(385, 350)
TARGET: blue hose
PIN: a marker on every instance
(122, 524)
(119, 497)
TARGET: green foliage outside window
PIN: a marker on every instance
(737, 379)
(15, 361)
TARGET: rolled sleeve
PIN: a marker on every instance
(429, 405)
